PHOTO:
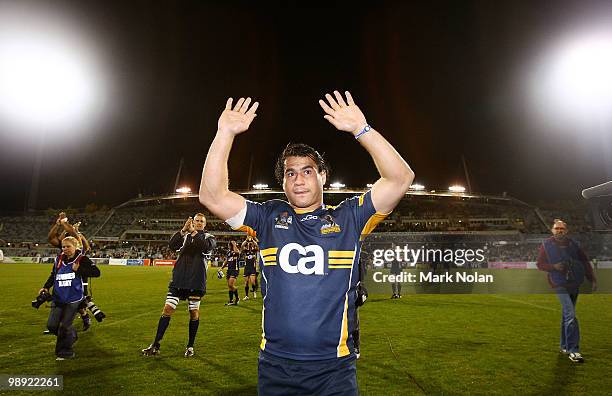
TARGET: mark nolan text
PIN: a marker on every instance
(430, 277)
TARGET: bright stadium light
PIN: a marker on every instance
(456, 189)
(50, 80)
(369, 185)
(260, 186)
(183, 190)
(417, 187)
(337, 185)
(573, 82)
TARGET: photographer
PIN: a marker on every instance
(188, 279)
(567, 266)
(60, 229)
(69, 269)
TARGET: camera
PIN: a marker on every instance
(97, 313)
(42, 298)
(362, 294)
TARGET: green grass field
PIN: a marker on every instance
(421, 344)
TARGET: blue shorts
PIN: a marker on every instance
(278, 376)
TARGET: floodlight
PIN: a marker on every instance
(456, 189)
(49, 78)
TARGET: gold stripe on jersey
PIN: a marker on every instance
(372, 223)
(361, 199)
(248, 230)
(269, 256)
(339, 266)
(304, 211)
(342, 347)
(341, 261)
(263, 332)
(268, 251)
(341, 253)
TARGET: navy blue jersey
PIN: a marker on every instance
(232, 261)
(309, 274)
(249, 257)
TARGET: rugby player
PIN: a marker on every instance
(309, 250)
(188, 279)
(231, 262)
(249, 255)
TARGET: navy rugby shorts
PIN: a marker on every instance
(278, 376)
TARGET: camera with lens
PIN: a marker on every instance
(97, 313)
(42, 298)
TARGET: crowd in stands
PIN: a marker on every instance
(508, 229)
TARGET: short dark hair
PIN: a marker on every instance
(299, 150)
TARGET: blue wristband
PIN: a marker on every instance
(365, 130)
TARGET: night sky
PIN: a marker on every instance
(438, 79)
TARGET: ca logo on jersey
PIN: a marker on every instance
(311, 262)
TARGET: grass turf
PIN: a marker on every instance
(420, 344)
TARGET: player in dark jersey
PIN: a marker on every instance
(248, 253)
(188, 279)
(396, 287)
(309, 250)
(233, 270)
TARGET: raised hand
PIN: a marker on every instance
(345, 116)
(238, 119)
(188, 224)
(61, 218)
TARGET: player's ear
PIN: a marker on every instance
(324, 177)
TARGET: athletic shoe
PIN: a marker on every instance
(47, 332)
(229, 303)
(576, 357)
(151, 350)
(254, 295)
(189, 352)
(237, 301)
(60, 358)
(245, 298)
(357, 353)
(86, 322)
(564, 351)
(394, 296)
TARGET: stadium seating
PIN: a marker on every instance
(141, 228)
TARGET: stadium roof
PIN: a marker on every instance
(345, 191)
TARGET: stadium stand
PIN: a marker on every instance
(508, 228)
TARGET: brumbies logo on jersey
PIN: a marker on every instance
(329, 225)
(283, 220)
